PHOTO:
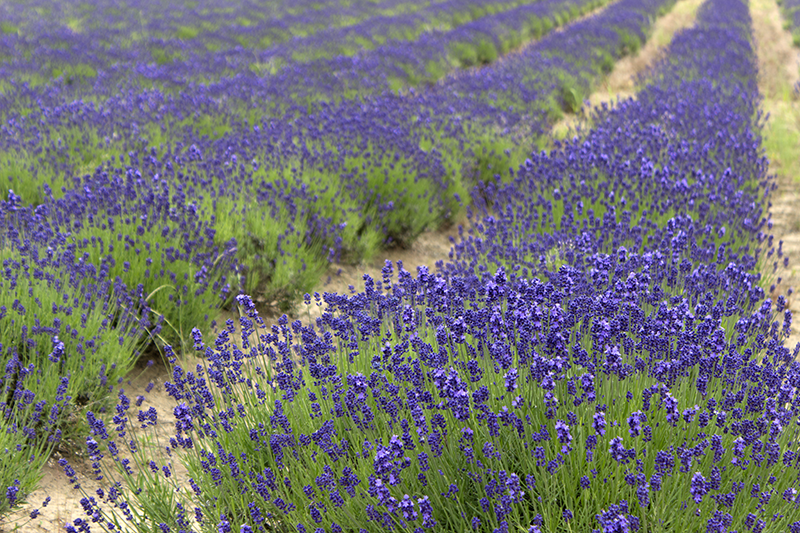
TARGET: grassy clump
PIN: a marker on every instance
(570, 94)
(21, 469)
(629, 43)
(6, 28)
(486, 51)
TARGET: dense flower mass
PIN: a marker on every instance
(598, 354)
(217, 194)
(148, 199)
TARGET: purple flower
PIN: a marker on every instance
(635, 423)
(407, 507)
(11, 493)
(562, 429)
(599, 423)
(427, 512)
(618, 452)
(510, 378)
(699, 488)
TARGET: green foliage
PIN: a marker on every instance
(476, 12)
(510, 41)
(22, 464)
(164, 57)
(363, 43)
(277, 277)
(74, 73)
(535, 27)
(570, 94)
(464, 54)
(17, 174)
(266, 68)
(99, 331)
(468, 54)
(6, 28)
(629, 43)
(547, 25)
(606, 62)
(573, 12)
(435, 70)
(486, 51)
(211, 126)
(77, 150)
(169, 286)
(186, 32)
(492, 156)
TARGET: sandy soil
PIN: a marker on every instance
(621, 82)
(778, 61)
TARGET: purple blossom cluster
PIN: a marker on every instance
(604, 327)
(261, 205)
(220, 39)
(599, 355)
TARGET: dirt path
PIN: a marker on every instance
(778, 63)
(621, 82)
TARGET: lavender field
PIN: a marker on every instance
(168, 167)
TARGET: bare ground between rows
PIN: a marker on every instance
(620, 84)
(430, 248)
(778, 62)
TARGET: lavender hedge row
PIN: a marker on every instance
(155, 239)
(629, 375)
(117, 236)
(103, 56)
(101, 34)
(355, 161)
(397, 65)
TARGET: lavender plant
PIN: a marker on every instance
(66, 325)
(68, 337)
(26, 455)
(633, 378)
(355, 161)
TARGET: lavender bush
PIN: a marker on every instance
(228, 37)
(791, 12)
(356, 194)
(598, 356)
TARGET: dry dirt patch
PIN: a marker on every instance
(778, 62)
(621, 82)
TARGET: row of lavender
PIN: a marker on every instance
(171, 225)
(103, 57)
(599, 355)
(106, 32)
(284, 197)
